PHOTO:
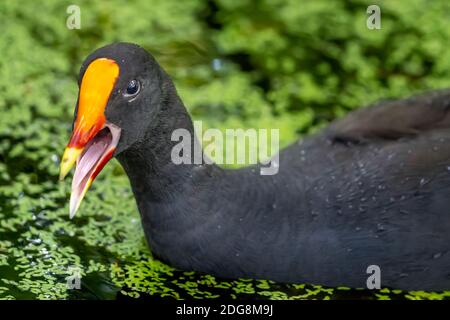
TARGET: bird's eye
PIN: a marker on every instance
(132, 88)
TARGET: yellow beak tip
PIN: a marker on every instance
(63, 172)
(68, 160)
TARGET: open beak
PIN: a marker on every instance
(93, 140)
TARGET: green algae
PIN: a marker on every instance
(302, 68)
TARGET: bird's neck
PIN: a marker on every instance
(170, 197)
(149, 164)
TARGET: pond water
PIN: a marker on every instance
(40, 247)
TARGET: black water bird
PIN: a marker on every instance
(373, 188)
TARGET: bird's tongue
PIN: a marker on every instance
(94, 157)
(92, 154)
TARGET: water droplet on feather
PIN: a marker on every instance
(437, 255)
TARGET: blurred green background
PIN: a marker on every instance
(287, 64)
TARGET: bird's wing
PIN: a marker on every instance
(394, 119)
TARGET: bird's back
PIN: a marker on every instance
(371, 189)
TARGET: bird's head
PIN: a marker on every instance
(119, 94)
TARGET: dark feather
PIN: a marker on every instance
(371, 189)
